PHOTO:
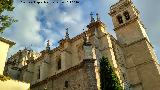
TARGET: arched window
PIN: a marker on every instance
(59, 64)
(126, 14)
(119, 18)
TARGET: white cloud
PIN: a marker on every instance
(52, 36)
(26, 31)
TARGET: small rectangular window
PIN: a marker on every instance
(66, 84)
(59, 64)
(38, 73)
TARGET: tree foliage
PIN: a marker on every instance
(5, 20)
(108, 78)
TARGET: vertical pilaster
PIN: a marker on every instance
(91, 75)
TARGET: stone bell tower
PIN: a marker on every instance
(126, 21)
(143, 71)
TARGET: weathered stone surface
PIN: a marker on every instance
(81, 77)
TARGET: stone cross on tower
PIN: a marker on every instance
(92, 19)
(48, 45)
(98, 18)
(67, 34)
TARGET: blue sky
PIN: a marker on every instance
(39, 23)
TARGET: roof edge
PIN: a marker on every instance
(7, 41)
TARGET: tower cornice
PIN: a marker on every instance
(116, 8)
(132, 43)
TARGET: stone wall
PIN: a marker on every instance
(3, 54)
(142, 67)
(4, 46)
(120, 58)
(79, 77)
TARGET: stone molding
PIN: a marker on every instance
(146, 62)
(136, 84)
(120, 5)
(132, 43)
(7, 41)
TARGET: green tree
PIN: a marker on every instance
(108, 78)
(5, 20)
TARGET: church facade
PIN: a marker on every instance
(74, 64)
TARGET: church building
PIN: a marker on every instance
(74, 64)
